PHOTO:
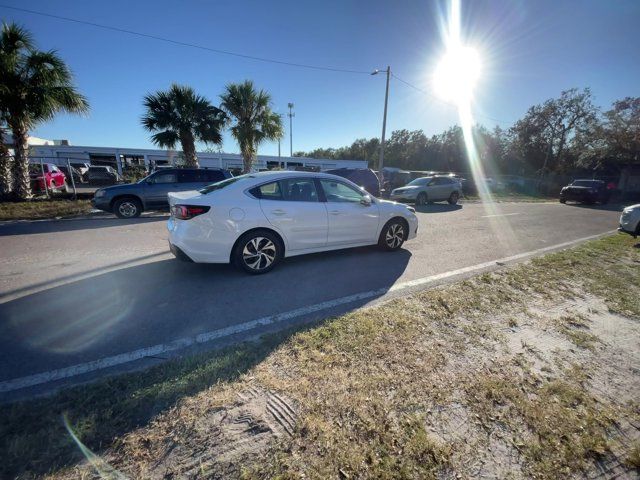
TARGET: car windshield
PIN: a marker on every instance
(586, 183)
(224, 183)
(419, 181)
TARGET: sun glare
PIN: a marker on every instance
(457, 74)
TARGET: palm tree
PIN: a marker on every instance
(181, 115)
(5, 166)
(253, 119)
(34, 87)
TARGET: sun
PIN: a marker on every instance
(457, 74)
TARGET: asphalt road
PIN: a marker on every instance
(79, 290)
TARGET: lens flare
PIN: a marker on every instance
(455, 79)
(457, 74)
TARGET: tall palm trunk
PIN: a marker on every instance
(189, 149)
(248, 154)
(5, 169)
(21, 180)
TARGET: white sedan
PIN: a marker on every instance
(256, 220)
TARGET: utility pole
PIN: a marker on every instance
(291, 115)
(384, 125)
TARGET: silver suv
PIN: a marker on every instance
(429, 189)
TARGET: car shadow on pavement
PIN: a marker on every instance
(610, 207)
(156, 303)
(437, 208)
(71, 224)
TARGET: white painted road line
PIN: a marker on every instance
(182, 343)
(500, 215)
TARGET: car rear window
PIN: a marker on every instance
(224, 183)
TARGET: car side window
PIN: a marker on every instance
(338, 192)
(269, 191)
(299, 190)
(165, 178)
(187, 176)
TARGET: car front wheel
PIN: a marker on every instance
(127, 208)
(258, 252)
(393, 235)
(421, 199)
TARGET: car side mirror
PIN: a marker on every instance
(365, 201)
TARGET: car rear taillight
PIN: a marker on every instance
(186, 212)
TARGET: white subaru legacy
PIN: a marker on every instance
(256, 220)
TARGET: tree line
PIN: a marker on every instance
(561, 135)
(36, 85)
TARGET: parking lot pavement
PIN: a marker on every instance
(73, 292)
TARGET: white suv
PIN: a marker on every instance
(630, 220)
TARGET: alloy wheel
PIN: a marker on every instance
(395, 235)
(259, 253)
(127, 209)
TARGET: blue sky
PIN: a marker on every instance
(531, 50)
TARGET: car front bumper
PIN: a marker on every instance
(101, 203)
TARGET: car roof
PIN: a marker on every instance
(587, 180)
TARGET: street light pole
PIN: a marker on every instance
(291, 115)
(384, 125)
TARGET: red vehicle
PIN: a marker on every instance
(53, 176)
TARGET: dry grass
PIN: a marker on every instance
(420, 387)
(36, 209)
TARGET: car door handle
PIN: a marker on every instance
(278, 212)
(335, 212)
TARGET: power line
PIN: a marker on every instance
(186, 44)
(424, 92)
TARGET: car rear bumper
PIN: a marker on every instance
(201, 241)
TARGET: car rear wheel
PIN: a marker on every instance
(393, 235)
(258, 252)
(127, 208)
(453, 198)
(563, 200)
(421, 199)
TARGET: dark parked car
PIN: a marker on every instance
(586, 191)
(363, 177)
(150, 193)
(77, 176)
(102, 175)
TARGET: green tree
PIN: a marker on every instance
(552, 126)
(181, 115)
(253, 119)
(34, 86)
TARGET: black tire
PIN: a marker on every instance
(563, 200)
(453, 198)
(393, 235)
(421, 199)
(127, 207)
(258, 252)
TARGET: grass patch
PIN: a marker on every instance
(370, 387)
(36, 209)
(557, 426)
(633, 458)
(575, 328)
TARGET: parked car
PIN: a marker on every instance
(102, 175)
(82, 167)
(630, 220)
(77, 176)
(130, 200)
(429, 189)
(256, 220)
(585, 191)
(53, 178)
(363, 177)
